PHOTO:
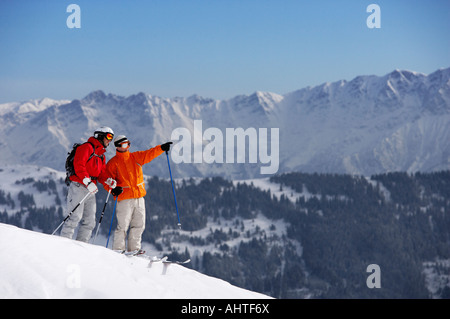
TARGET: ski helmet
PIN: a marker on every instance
(119, 140)
(104, 131)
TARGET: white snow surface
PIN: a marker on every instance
(36, 265)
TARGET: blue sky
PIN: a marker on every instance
(214, 48)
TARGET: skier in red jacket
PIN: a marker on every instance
(89, 164)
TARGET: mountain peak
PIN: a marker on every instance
(442, 75)
(404, 75)
(95, 96)
(197, 99)
(139, 99)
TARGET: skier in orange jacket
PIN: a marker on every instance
(126, 168)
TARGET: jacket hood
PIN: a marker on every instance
(99, 148)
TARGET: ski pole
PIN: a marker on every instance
(173, 190)
(101, 217)
(68, 216)
(112, 219)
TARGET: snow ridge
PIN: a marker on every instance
(36, 265)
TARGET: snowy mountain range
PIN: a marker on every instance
(371, 124)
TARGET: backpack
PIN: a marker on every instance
(70, 170)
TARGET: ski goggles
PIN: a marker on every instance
(126, 144)
(109, 136)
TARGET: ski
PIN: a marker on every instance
(140, 254)
(134, 253)
(152, 259)
(176, 262)
(167, 262)
(156, 259)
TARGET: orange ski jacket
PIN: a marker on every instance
(126, 169)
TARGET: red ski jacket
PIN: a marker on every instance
(95, 167)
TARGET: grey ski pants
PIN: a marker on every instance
(130, 215)
(83, 215)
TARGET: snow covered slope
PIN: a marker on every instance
(35, 265)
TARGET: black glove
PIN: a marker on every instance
(116, 191)
(166, 146)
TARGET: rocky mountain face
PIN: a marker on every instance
(369, 125)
